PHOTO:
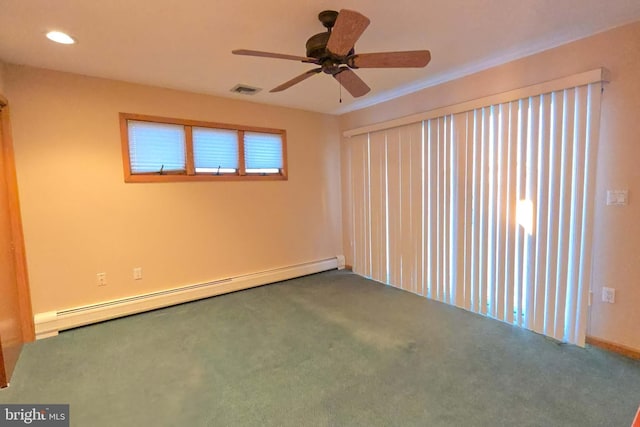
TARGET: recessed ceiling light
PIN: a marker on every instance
(60, 37)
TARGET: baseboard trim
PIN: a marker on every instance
(48, 324)
(616, 348)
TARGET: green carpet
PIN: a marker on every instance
(331, 349)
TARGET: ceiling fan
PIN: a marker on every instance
(334, 52)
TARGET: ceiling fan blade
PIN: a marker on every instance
(296, 80)
(406, 59)
(272, 55)
(351, 82)
(348, 28)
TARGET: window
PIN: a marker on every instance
(157, 149)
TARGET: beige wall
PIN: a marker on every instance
(617, 229)
(80, 218)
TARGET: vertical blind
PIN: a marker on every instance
(489, 209)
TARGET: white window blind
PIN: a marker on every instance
(156, 147)
(263, 152)
(215, 150)
(489, 209)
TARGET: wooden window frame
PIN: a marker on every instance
(190, 173)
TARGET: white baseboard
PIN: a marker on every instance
(48, 324)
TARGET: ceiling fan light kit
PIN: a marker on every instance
(333, 51)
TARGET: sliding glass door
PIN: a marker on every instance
(488, 209)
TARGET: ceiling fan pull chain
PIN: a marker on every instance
(340, 89)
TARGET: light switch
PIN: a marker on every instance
(617, 197)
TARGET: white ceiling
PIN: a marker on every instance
(186, 44)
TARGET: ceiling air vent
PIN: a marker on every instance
(245, 90)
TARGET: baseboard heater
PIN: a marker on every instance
(48, 324)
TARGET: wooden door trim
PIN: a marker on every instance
(22, 276)
(3, 375)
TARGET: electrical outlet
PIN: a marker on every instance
(137, 273)
(617, 197)
(608, 295)
(101, 279)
